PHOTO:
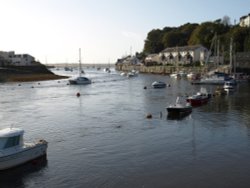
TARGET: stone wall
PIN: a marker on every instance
(161, 69)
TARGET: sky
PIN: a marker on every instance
(52, 31)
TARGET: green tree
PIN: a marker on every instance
(240, 36)
(153, 43)
(247, 44)
(171, 39)
(204, 33)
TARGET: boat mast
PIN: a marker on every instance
(231, 56)
(212, 45)
(218, 53)
(80, 64)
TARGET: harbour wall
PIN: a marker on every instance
(171, 69)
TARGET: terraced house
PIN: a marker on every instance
(17, 59)
(184, 55)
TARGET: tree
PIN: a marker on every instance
(226, 21)
(153, 43)
(204, 33)
(247, 44)
(240, 36)
(172, 39)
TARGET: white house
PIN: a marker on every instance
(184, 54)
(130, 60)
(152, 58)
(17, 59)
(245, 21)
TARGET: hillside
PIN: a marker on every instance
(27, 73)
(193, 34)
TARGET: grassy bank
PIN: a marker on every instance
(27, 74)
(33, 77)
(29, 77)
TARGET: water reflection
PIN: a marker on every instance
(177, 116)
(15, 177)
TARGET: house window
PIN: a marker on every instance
(12, 141)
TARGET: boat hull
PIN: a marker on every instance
(79, 82)
(198, 102)
(178, 112)
(23, 155)
(158, 85)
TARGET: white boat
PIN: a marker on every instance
(80, 80)
(182, 74)
(123, 74)
(13, 150)
(216, 80)
(158, 84)
(132, 73)
(229, 85)
(193, 76)
(190, 75)
(175, 75)
(107, 70)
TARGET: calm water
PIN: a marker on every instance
(102, 138)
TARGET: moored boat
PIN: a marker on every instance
(220, 91)
(80, 80)
(107, 70)
(200, 98)
(158, 84)
(132, 73)
(215, 79)
(175, 75)
(179, 109)
(229, 85)
(14, 151)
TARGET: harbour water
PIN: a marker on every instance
(102, 138)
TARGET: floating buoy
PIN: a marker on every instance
(145, 87)
(78, 94)
(149, 116)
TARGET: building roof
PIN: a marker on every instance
(182, 48)
(152, 55)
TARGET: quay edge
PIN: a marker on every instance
(171, 69)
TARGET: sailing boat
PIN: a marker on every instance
(80, 80)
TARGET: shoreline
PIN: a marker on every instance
(30, 77)
(27, 74)
(167, 70)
